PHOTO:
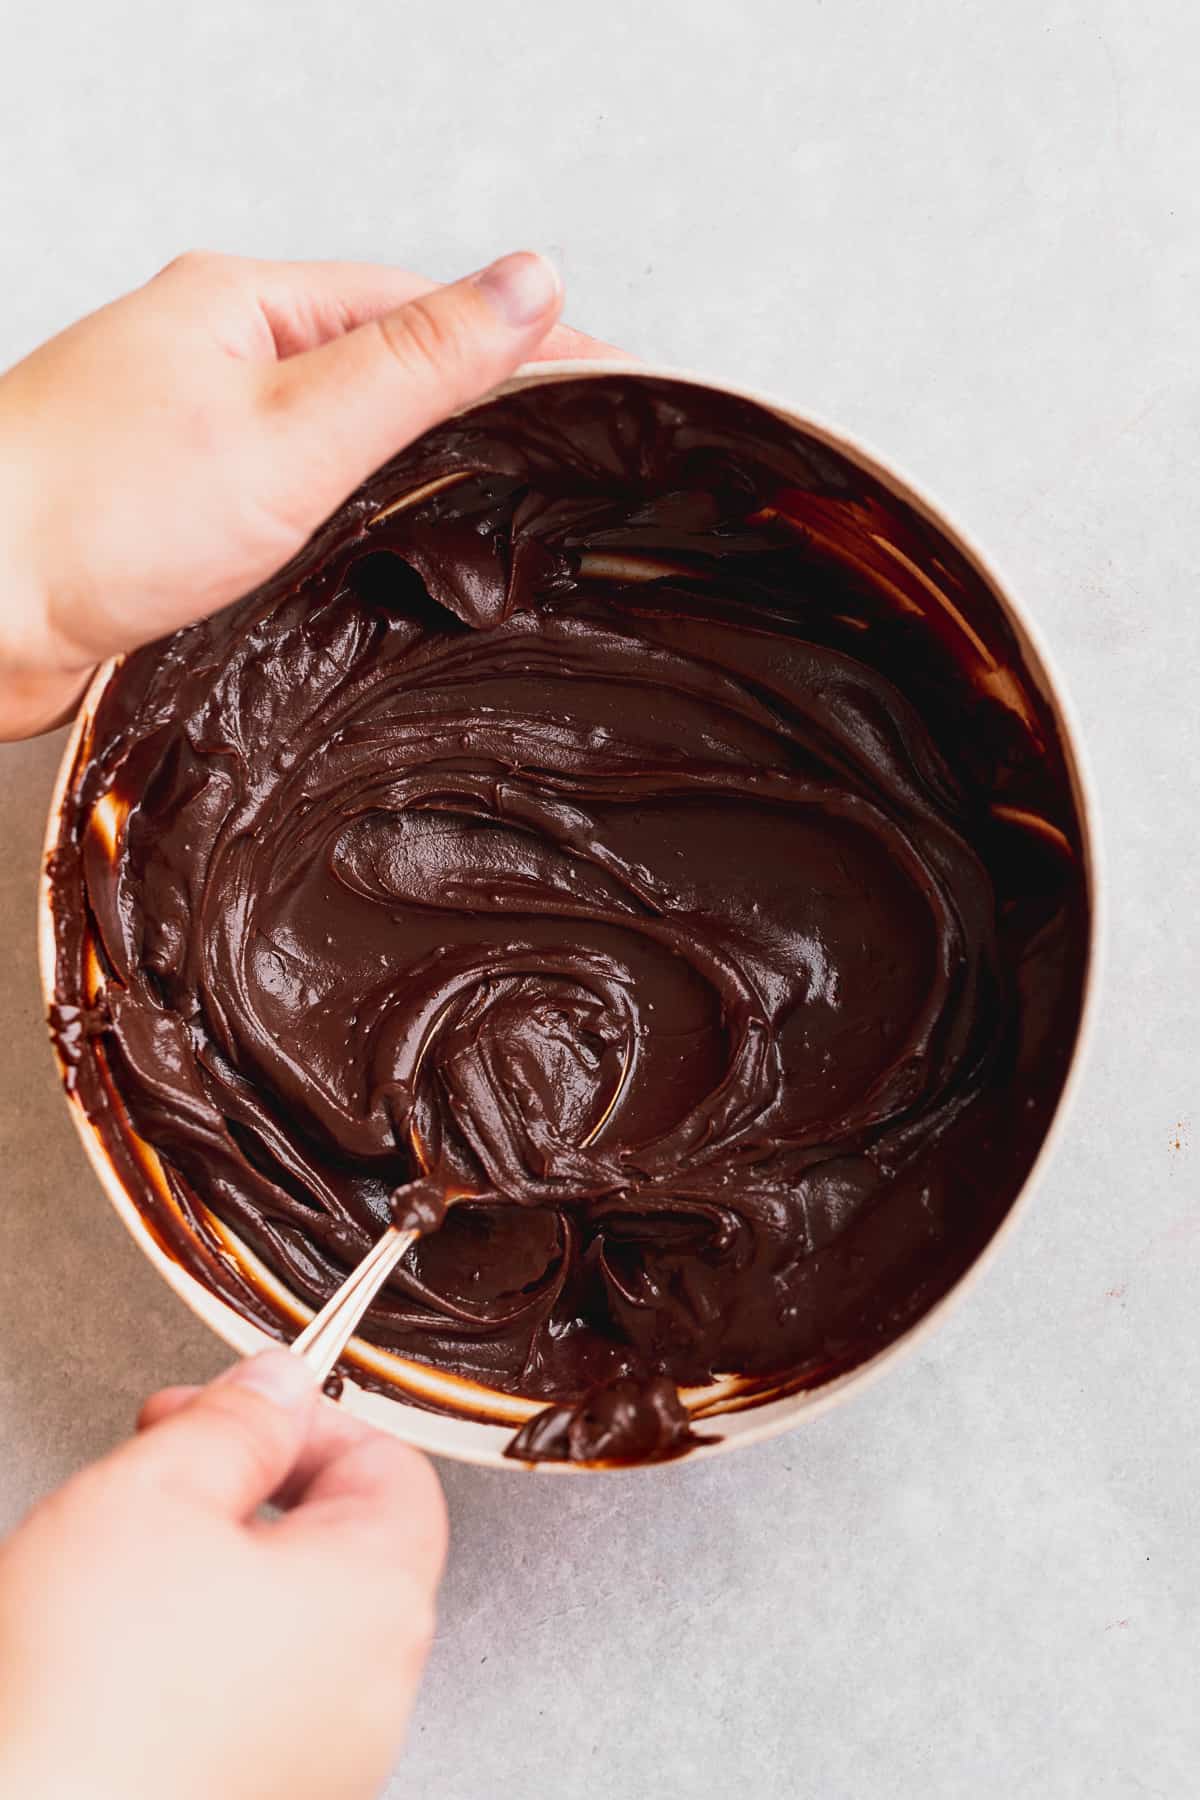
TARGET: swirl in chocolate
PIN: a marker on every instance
(628, 822)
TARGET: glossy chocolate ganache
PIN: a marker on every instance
(629, 821)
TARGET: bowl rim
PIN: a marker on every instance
(482, 1444)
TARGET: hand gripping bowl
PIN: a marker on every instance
(914, 555)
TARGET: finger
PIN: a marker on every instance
(160, 1406)
(306, 304)
(375, 1491)
(234, 1443)
(334, 414)
(330, 1431)
(261, 311)
(366, 1544)
(373, 1520)
(273, 310)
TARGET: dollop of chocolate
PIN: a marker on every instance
(626, 843)
(621, 1421)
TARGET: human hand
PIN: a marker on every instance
(156, 1637)
(168, 453)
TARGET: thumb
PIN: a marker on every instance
(339, 411)
(232, 1444)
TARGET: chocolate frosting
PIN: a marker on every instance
(628, 844)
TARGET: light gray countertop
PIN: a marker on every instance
(970, 234)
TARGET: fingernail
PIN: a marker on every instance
(522, 287)
(275, 1374)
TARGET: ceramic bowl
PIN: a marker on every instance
(736, 1420)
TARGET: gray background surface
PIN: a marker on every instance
(971, 234)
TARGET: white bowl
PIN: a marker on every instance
(471, 1439)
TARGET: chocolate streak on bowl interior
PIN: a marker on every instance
(626, 813)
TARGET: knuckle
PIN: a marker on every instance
(404, 1628)
(424, 339)
(421, 1623)
(412, 1486)
(155, 1407)
(52, 1510)
(193, 265)
(107, 1498)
